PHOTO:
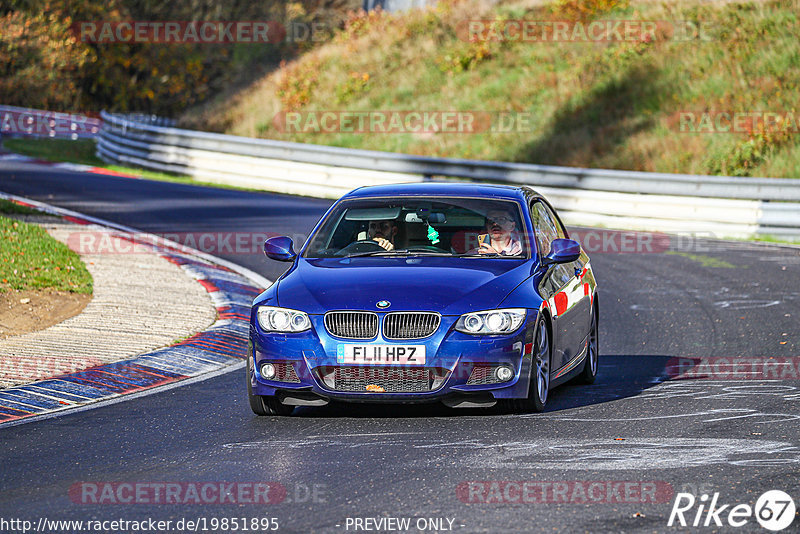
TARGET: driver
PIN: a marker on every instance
(383, 233)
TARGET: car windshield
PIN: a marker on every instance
(466, 227)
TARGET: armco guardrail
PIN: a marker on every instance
(720, 205)
(25, 122)
(152, 120)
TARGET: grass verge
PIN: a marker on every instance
(8, 207)
(31, 259)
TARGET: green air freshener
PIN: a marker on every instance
(433, 235)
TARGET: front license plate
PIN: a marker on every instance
(381, 354)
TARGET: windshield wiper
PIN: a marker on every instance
(476, 255)
(399, 252)
(369, 253)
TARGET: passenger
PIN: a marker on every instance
(501, 237)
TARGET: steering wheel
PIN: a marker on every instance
(362, 245)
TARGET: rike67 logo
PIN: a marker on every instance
(774, 510)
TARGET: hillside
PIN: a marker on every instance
(78, 55)
(609, 102)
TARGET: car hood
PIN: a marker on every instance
(450, 286)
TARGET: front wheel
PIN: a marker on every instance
(260, 404)
(539, 388)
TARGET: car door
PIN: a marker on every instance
(563, 288)
(577, 289)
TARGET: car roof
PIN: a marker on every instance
(456, 189)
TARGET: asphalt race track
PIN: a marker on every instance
(711, 433)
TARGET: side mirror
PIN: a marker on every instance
(562, 251)
(279, 248)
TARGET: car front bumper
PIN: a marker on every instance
(461, 365)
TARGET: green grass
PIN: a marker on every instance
(83, 151)
(63, 150)
(6, 206)
(31, 259)
(604, 104)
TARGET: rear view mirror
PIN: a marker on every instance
(424, 215)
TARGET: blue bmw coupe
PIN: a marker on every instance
(461, 293)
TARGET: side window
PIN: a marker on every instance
(562, 234)
(544, 226)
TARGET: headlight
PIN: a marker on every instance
(282, 320)
(491, 321)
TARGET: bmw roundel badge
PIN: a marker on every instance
(383, 304)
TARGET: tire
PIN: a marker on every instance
(261, 404)
(592, 363)
(539, 388)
